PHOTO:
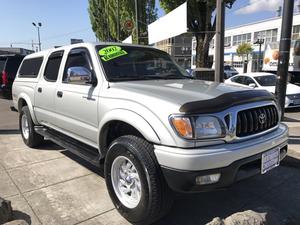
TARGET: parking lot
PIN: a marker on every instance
(49, 185)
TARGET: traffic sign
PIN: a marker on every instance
(128, 25)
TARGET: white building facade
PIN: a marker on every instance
(269, 30)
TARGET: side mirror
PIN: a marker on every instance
(79, 75)
(252, 85)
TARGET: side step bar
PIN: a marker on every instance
(80, 149)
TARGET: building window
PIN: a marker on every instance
(227, 41)
(237, 64)
(267, 35)
(183, 50)
(242, 38)
(296, 32)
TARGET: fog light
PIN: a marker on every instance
(208, 179)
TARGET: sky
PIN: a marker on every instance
(65, 19)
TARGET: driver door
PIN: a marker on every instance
(76, 100)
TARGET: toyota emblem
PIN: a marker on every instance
(262, 118)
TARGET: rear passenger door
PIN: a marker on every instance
(77, 100)
(46, 90)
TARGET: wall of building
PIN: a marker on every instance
(179, 48)
(269, 30)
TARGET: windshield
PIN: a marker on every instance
(123, 63)
(267, 80)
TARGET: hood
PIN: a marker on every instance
(177, 93)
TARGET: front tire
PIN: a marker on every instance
(26, 125)
(135, 182)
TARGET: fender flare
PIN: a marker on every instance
(131, 118)
(29, 104)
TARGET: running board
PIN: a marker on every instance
(80, 149)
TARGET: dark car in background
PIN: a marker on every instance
(229, 71)
(9, 65)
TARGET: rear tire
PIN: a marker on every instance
(135, 182)
(26, 125)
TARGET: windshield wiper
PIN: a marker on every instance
(122, 78)
(164, 77)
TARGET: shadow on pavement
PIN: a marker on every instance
(18, 215)
(294, 139)
(296, 109)
(9, 131)
(276, 193)
(98, 170)
(49, 145)
(288, 119)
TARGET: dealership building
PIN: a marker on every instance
(268, 29)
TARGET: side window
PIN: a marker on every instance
(13, 64)
(30, 67)
(238, 79)
(248, 80)
(52, 67)
(79, 66)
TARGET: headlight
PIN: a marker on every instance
(198, 127)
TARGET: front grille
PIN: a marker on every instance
(256, 120)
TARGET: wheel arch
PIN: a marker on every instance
(127, 122)
(24, 100)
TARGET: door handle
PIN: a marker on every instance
(40, 90)
(59, 94)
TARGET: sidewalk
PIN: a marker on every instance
(45, 186)
(51, 186)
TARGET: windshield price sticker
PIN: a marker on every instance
(111, 52)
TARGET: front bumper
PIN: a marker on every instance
(235, 161)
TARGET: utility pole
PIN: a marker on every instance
(284, 53)
(219, 48)
(118, 19)
(137, 17)
(38, 26)
(259, 41)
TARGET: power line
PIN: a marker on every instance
(48, 38)
(248, 4)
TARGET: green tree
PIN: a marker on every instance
(201, 15)
(244, 49)
(103, 16)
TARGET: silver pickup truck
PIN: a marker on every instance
(156, 129)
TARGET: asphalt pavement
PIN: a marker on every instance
(49, 185)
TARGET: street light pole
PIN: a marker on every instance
(38, 25)
(284, 53)
(259, 41)
(219, 50)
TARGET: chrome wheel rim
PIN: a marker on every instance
(25, 126)
(126, 182)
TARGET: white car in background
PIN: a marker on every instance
(267, 81)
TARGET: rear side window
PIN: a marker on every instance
(13, 64)
(31, 67)
(52, 67)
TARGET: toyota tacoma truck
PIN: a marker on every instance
(156, 131)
